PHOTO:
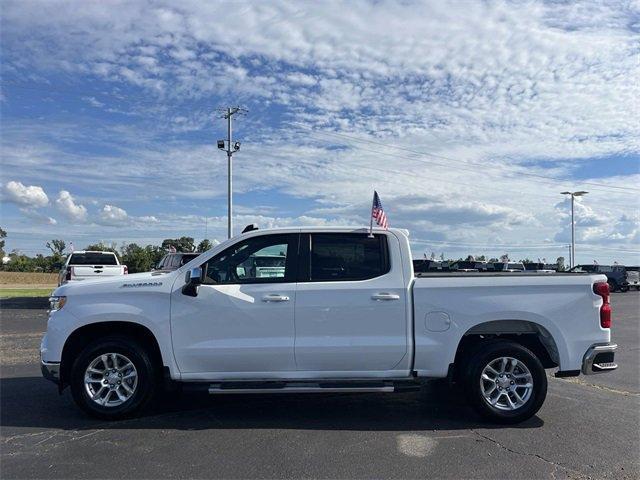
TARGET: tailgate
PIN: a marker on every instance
(88, 271)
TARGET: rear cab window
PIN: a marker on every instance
(346, 257)
(93, 258)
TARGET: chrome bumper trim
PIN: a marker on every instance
(51, 371)
(588, 365)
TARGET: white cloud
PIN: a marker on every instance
(93, 102)
(31, 196)
(111, 215)
(66, 204)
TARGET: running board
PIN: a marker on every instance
(298, 387)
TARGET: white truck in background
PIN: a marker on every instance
(337, 311)
(90, 265)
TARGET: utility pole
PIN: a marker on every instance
(230, 148)
(572, 259)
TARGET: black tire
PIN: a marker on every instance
(624, 288)
(483, 356)
(147, 377)
(613, 286)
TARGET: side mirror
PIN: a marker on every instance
(194, 280)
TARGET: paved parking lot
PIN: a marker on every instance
(588, 428)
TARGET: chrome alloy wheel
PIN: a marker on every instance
(110, 379)
(506, 383)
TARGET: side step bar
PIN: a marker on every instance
(308, 387)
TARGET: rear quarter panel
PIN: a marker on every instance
(564, 305)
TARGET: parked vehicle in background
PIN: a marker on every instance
(539, 267)
(508, 267)
(173, 261)
(616, 275)
(463, 266)
(90, 265)
(421, 265)
(325, 310)
(633, 277)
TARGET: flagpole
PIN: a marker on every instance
(373, 201)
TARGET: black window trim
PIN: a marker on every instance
(305, 250)
(291, 265)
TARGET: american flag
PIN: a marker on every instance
(377, 212)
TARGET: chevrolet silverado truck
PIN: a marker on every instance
(340, 310)
(87, 265)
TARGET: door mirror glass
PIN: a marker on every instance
(195, 276)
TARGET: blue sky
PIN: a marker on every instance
(468, 118)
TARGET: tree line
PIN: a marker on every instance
(136, 257)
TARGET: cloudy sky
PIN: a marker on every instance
(468, 118)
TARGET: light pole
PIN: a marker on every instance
(572, 260)
(230, 149)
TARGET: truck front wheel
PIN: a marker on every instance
(112, 378)
(505, 382)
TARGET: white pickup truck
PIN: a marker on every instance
(88, 265)
(345, 313)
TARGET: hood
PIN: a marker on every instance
(135, 281)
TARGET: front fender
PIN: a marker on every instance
(149, 309)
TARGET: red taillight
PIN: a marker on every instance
(126, 270)
(602, 289)
(69, 273)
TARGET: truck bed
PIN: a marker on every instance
(447, 305)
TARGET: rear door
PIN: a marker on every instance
(351, 306)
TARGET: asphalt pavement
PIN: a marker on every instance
(588, 428)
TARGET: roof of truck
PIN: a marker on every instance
(326, 229)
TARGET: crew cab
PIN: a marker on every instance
(86, 264)
(324, 310)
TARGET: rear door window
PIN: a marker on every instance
(347, 256)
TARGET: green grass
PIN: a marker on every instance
(25, 292)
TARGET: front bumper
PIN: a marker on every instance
(51, 371)
(599, 359)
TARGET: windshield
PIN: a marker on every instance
(93, 258)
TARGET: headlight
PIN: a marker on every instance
(56, 303)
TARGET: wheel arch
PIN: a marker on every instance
(529, 334)
(81, 336)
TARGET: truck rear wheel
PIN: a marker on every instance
(505, 382)
(112, 378)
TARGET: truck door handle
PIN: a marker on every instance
(272, 297)
(385, 296)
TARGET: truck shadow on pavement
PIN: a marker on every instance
(31, 402)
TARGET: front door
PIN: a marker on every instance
(351, 305)
(241, 323)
